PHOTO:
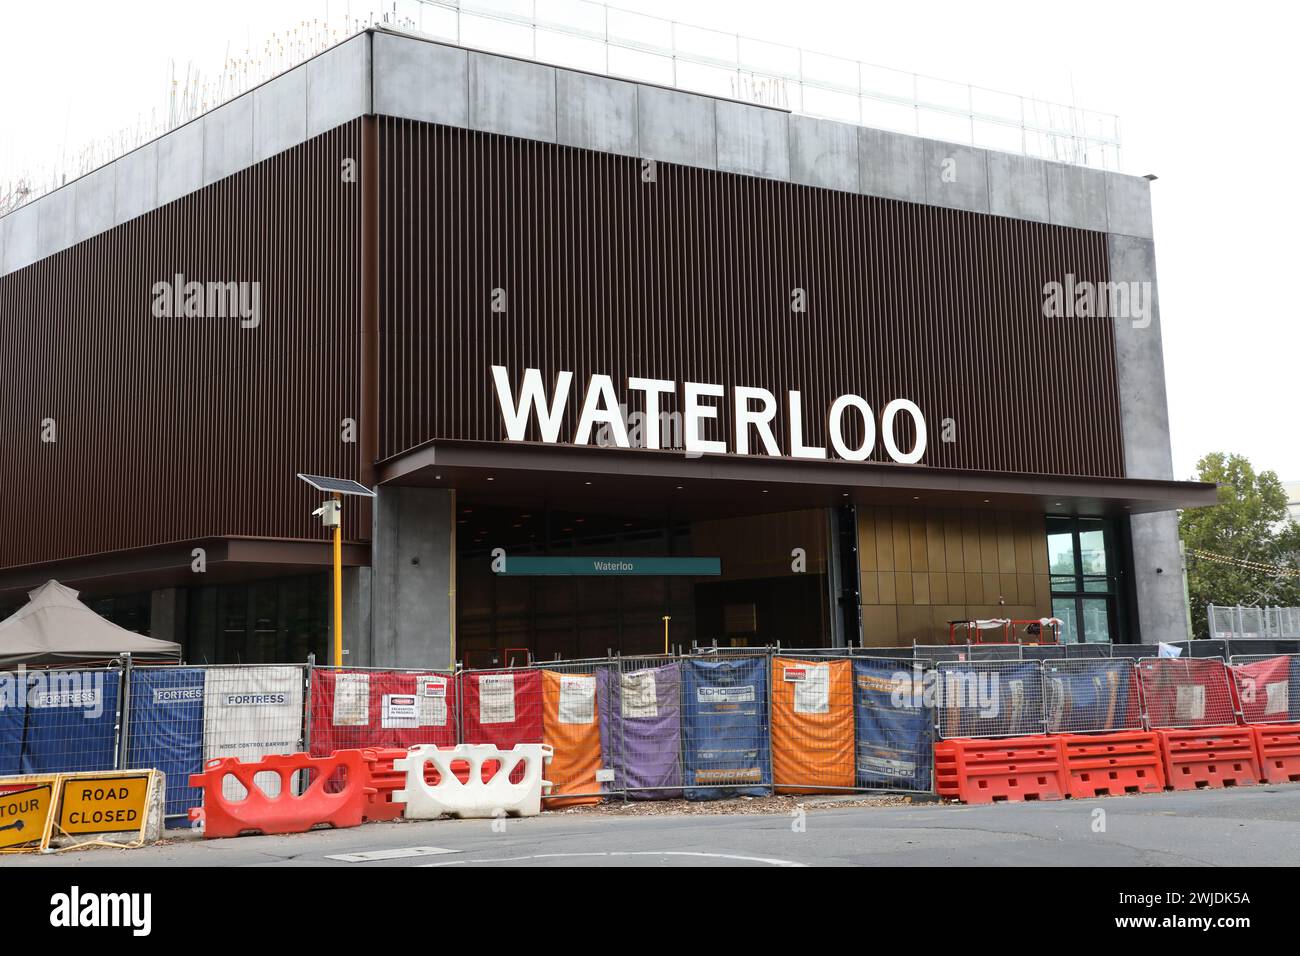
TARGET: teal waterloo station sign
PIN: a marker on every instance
(605, 566)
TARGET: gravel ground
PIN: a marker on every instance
(741, 805)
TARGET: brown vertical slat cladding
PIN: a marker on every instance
(177, 429)
(690, 278)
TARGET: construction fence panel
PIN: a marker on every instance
(165, 731)
(359, 707)
(726, 736)
(251, 711)
(60, 720)
(1182, 692)
(893, 725)
(1268, 687)
(1083, 696)
(989, 698)
(639, 700)
(813, 749)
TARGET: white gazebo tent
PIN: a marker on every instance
(54, 627)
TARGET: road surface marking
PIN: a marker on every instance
(400, 853)
(551, 856)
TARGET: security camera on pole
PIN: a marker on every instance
(331, 516)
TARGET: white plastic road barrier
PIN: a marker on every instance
(473, 799)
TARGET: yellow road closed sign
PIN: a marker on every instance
(103, 805)
(23, 814)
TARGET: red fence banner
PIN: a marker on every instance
(502, 708)
(381, 709)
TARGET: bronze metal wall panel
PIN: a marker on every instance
(173, 429)
(690, 279)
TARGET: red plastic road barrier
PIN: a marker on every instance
(1210, 757)
(1113, 764)
(1278, 747)
(985, 771)
(286, 813)
(384, 780)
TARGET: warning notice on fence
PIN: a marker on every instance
(640, 698)
(577, 700)
(400, 711)
(812, 691)
(251, 712)
(1189, 702)
(432, 692)
(496, 699)
(23, 814)
(351, 700)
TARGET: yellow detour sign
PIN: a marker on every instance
(104, 805)
(23, 814)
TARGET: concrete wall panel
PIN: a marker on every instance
(753, 140)
(228, 139)
(1017, 186)
(596, 112)
(513, 97)
(421, 81)
(890, 165)
(823, 153)
(280, 114)
(338, 85)
(677, 127)
(180, 162)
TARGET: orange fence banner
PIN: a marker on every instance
(570, 725)
(812, 725)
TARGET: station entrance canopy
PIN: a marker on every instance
(721, 485)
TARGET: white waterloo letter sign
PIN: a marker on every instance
(753, 411)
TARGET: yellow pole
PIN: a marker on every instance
(666, 620)
(338, 584)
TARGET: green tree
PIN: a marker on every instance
(1249, 523)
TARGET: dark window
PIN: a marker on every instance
(1082, 562)
(267, 621)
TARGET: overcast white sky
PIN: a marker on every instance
(1206, 95)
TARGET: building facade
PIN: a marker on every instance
(550, 313)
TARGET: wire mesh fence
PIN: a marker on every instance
(710, 724)
(989, 698)
(1088, 696)
(1268, 687)
(60, 720)
(1186, 692)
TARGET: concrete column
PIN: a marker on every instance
(358, 647)
(167, 615)
(413, 581)
(1139, 360)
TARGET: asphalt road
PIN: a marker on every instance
(1253, 826)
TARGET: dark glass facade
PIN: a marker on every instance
(270, 620)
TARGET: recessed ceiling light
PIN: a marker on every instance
(586, 482)
(491, 479)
